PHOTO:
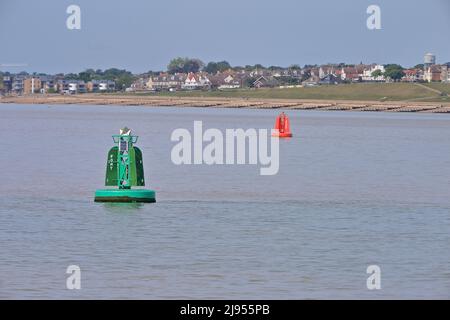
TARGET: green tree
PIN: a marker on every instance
(211, 68)
(124, 81)
(214, 67)
(176, 65)
(377, 73)
(85, 76)
(71, 76)
(394, 71)
(186, 65)
(193, 65)
(223, 66)
(256, 66)
(114, 73)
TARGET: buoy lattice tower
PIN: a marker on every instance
(125, 169)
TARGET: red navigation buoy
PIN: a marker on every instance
(282, 127)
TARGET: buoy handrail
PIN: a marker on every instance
(117, 137)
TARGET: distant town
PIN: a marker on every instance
(185, 74)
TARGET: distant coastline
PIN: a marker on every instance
(231, 102)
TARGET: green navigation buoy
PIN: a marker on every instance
(125, 169)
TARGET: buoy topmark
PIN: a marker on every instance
(124, 169)
(282, 127)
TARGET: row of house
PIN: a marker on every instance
(79, 86)
(204, 81)
(190, 81)
(25, 84)
(437, 73)
(230, 79)
(257, 78)
(367, 73)
(308, 76)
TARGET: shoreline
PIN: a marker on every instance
(248, 103)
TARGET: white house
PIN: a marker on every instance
(230, 83)
(73, 87)
(367, 73)
(326, 70)
(196, 81)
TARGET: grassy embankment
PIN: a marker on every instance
(359, 92)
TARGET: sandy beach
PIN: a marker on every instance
(299, 104)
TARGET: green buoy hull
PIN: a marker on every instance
(125, 195)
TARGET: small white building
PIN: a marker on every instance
(229, 83)
(196, 81)
(76, 86)
(367, 74)
(73, 87)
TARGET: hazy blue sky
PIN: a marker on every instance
(144, 35)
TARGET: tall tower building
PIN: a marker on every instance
(429, 59)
